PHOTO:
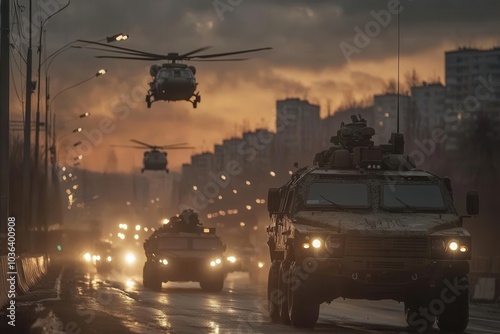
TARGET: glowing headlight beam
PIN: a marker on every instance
(316, 243)
(130, 258)
(453, 246)
(87, 257)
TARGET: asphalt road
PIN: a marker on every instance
(83, 301)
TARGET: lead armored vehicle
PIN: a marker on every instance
(181, 251)
(363, 223)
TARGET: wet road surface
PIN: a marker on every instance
(93, 303)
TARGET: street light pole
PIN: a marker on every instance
(4, 116)
(53, 148)
(27, 203)
(114, 38)
(37, 121)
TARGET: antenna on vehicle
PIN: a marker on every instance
(397, 107)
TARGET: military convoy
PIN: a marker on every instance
(363, 223)
(183, 250)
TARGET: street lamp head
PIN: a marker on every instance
(101, 72)
(77, 130)
(117, 37)
(77, 143)
(87, 114)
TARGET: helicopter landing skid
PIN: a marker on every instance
(148, 100)
(197, 99)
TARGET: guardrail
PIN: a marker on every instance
(29, 271)
(485, 278)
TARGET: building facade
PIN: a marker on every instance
(472, 92)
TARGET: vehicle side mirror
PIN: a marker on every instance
(273, 200)
(472, 203)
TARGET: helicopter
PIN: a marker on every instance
(172, 81)
(156, 159)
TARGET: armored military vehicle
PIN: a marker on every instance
(182, 250)
(363, 223)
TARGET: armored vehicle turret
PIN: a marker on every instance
(363, 223)
(183, 250)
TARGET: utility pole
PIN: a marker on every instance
(27, 139)
(4, 116)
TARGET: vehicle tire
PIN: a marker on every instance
(145, 276)
(303, 310)
(283, 286)
(455, 316)
(154, 280)
(213, 285)
(415, 319)
(272, 291)
(195, 104)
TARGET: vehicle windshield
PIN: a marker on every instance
(173, 243)
(205, 244)
(338, 195)
(412, 196)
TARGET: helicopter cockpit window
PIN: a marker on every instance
(164, 73)
(186, 73)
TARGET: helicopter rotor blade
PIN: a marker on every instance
(134, 58)
(229, 59)
(194, 51)
(178, 144)
(142, 143)
(177, 148)
(227, 53)
(114, 51)
(138, 52)
(128, 146)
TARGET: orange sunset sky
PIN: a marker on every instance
(306, 62)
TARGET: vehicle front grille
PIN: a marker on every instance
(395, 265)
(386, 246)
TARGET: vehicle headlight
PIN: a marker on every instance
(453, 246)
(163, 261)
(260, 264)
(215, 262)
(130, 258)
(316, 243)
(109, 258)
(443, 247)
(231, 259)
(458, 247)
(98, 258)
(87, 257)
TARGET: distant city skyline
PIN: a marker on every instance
(306, 62)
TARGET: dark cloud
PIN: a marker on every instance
(305, 36)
